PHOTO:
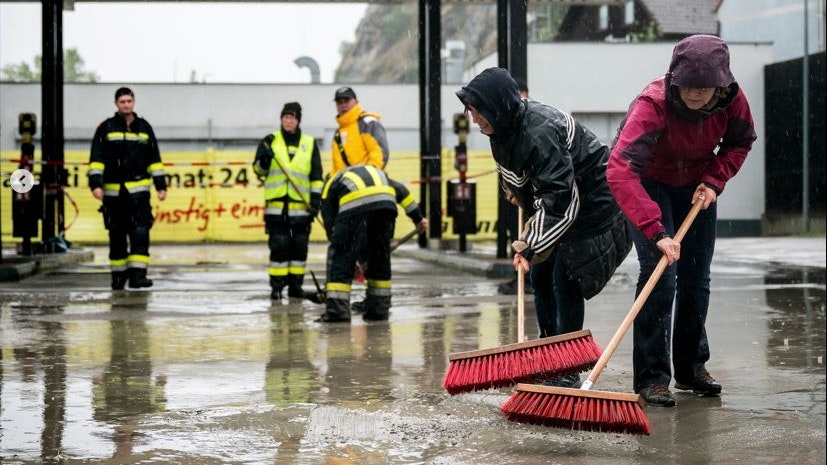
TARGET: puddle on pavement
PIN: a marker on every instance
(224, 376)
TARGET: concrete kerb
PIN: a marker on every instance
(474, 263)
(16, 267)
(481, 258)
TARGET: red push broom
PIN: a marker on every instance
(583, 409)
(507, 365)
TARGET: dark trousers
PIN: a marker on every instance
(288, 243)
(344, 250)
(558, 302)
(684, 285)
(128, 218)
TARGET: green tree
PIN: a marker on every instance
(72, 70)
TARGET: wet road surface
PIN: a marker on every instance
(205, 369)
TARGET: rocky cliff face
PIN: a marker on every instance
(386, 48)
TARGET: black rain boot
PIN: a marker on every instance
(358, 307)
(336, 310)
(294, 286)
(277, 284)
(377, 308)
(119, 280)
(138, 279)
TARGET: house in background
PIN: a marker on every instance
(639, 21)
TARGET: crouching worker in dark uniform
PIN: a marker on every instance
(290, 162)
(362, 196)
(123, 165)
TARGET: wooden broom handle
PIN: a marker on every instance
(395, 244)
(641, 299)
(520, 285)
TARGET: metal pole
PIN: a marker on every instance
(512, 54)
(430, 111)
(805, 128)
(52, 109)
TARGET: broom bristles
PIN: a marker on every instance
(577, 409)
(561, 355)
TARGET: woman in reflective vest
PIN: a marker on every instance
(291, 166)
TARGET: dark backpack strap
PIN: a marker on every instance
(338, 139)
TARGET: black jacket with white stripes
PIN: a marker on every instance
(556, 169)
(553, 165)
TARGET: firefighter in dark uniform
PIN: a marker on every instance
(357, 197)
(123, 165)
(291, 166)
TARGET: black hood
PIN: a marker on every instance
(495, 94)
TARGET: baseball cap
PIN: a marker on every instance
(343, 93)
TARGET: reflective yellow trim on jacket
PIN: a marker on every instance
(133, 187)
(294, 209)
(366, 196)
(130, 136)
(96, 167)
(156, 169)
(317, 186)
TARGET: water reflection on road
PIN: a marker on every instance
(205, 369)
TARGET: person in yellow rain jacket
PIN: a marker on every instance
(361, 138)
(291, 166)
(359, 201)
(123, 165)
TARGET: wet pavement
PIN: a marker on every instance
(205, 369)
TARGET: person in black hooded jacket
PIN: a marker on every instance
(554, 169)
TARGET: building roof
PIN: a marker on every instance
(680, 17)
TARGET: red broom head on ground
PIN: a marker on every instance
(528, 361)
(577, 409)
